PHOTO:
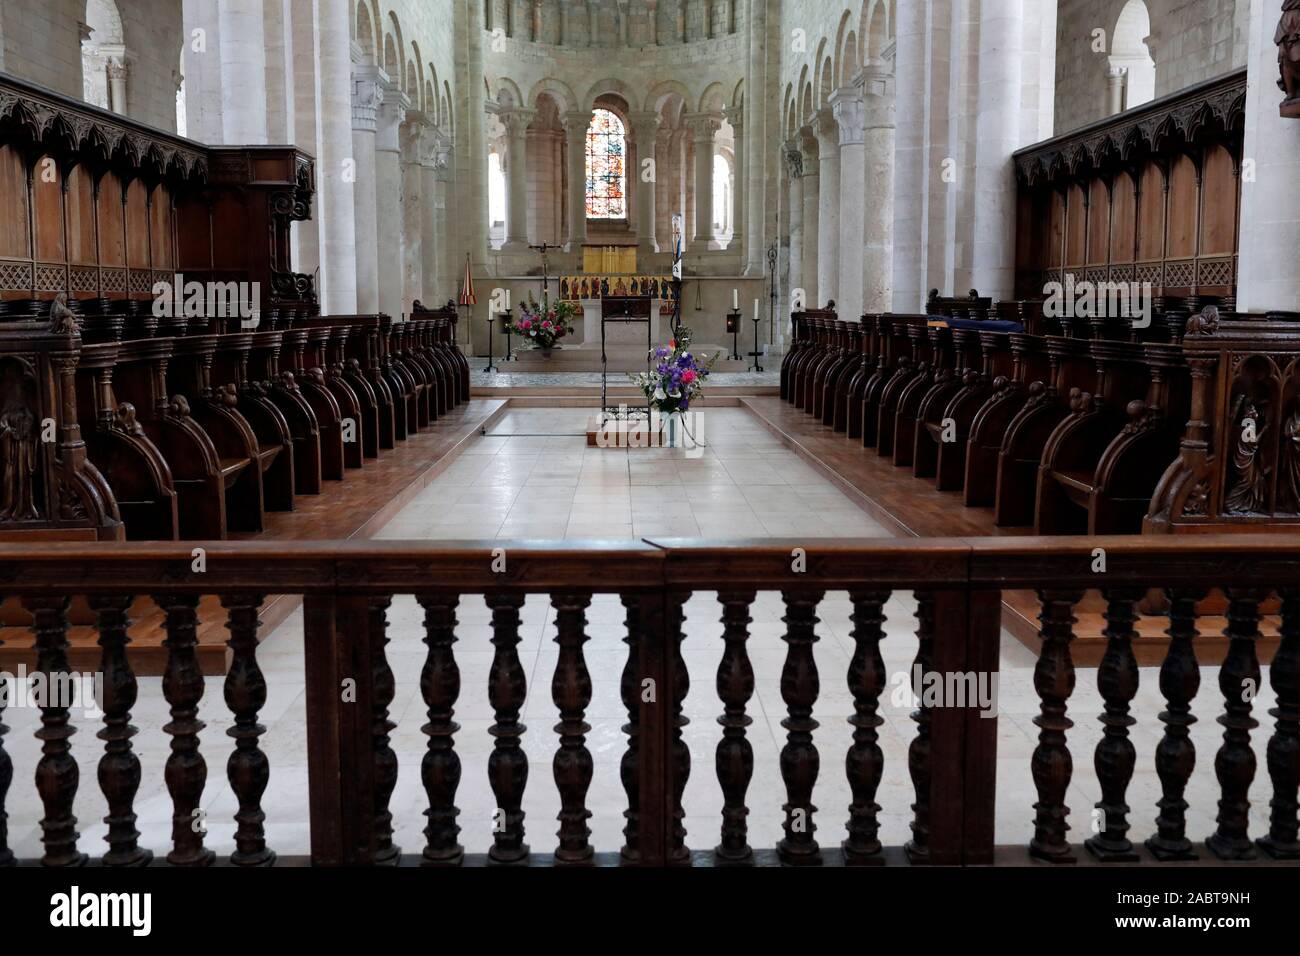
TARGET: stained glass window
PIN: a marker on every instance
(606, 173)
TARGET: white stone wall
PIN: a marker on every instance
(42, 43)
(1192, 40)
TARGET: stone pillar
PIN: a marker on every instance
(849, 112)
(811, 206)
(703, 126)
(828, 206)
(414, 132)
(740, 180)
(333, 148)
(388, 191)
(430, 245)
(243, 71)
(794, 168)
(1270, 205)
(516, 123)
(909, 157)
(756, 146)
(665, 197)
(997, 136)
(878, 165)
(118, 70)
(575, 139)
(367, 95)
(1116, 77)
(645, 130)
(452, 256)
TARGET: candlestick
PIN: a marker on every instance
(507, 300)
(735, 300)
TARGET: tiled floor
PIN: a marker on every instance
(534, 477)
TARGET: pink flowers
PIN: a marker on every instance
(688, 376)
(525, 324)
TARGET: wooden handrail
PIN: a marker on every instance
(348, 585)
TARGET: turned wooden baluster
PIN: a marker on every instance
(1180, 678)
(1234, 765)
(440, 769)
(6, 778)
(384, 689)
(248, 769)
(571, 691)
(735, 756)
(119, 768)
(1115, 757)
(865, 763)
(918, 751)
(679, 751)
(630, 693)
(507, 764)
(1052, 765)
(1284, 745)
(799, 759)
(56, 772)
(186, 771)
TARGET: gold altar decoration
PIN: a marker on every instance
(597, 286)
(604, 260)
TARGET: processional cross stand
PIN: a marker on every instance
(544, 248)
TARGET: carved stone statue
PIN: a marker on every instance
(18, 450)
(1291, 461)
(1287, 39)
(62, 319)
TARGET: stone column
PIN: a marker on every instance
(794, 167)
(575, 140)
(516, 123)
(414, 132)
(756, 146)
(645, 129)
(430, 246)
(909, 157)
(1270, 205)
(333, 148)
(665, 198)
(243, 71)
(740, 179)
(388, 192)
(451, 257)
(811, 184)
(997, 136)
(849, 112)
(118, 70)
(1115, 84)
(367, 95)
(878, 202)
(703, 126)
(828, 211)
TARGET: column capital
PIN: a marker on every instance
(849, 110)
(793, 157)
(576, 123)
(392, 111)
(702, 126)
(516, 120)
(809, 146)
(118, 68)
(645, 125)
(826, 129)
(735, 115)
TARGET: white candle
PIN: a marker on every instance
(507, 300)
(735, 300)
(755, 309)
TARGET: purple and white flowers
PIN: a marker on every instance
(677, 377)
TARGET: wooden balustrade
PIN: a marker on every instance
(353, 767)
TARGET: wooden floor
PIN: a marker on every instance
(355, 507)
(911, 507)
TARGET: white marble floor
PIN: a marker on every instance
(534, 477)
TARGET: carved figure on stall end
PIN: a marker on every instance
(63, 321)
(1249, 495)
(1291, 462)
(1287, 39)
(19, 453)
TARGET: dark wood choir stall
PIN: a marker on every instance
(124, 416)
(1022, 417)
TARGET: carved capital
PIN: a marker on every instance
(367, 96)
(850, 112)
(702, 127)
(516, 121)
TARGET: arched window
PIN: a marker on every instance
(103, 48)
(1130, 60)
(496, 197)
(721, 195)
(606, 169)
(182, 122)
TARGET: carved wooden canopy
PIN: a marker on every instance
(1215, 109)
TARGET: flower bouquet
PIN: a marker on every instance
(543, 324)
(677, 378)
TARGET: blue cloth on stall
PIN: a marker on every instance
(984, 325)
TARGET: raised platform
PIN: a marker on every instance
(911, 507)
(356, 507)
(582, 359)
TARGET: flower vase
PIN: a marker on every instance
(673, 430)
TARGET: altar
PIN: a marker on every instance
(625, 319)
